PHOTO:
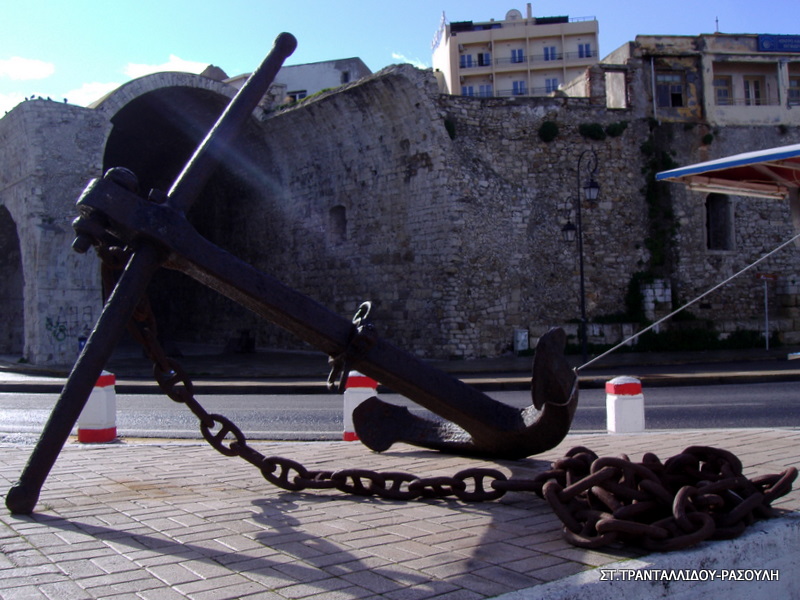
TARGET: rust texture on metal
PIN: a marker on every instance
(146, 232)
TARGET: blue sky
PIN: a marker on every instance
(81, 49)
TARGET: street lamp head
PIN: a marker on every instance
(569, 231)
(591, 189)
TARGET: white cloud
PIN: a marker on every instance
(25, 69)
(9, 101)
(174, 63)
(420, 64)
(89, 92)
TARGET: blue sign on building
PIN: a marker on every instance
(779, 43)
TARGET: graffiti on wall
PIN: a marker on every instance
(70, 322)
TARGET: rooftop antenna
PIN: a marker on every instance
(717, 21)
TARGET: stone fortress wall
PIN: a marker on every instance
(445, 212)
(454, 220)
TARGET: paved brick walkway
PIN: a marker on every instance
(160, 521)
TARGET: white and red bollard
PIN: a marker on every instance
(98, 421)
(624, 405)
(357, 389)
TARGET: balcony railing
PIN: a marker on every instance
(747, 102)
(538, 58)
(536, 91)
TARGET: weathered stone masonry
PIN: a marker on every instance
(47, 153)
(446, 212)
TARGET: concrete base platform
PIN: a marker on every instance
(138, 520)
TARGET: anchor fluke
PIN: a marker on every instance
(540, 427)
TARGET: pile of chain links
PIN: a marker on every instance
(699, 494)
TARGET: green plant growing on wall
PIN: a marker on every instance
(548, 131)
(616, 129)
(593, 131)
(661, 218)
(634, 298)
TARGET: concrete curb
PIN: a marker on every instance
(18, 383)
(767, 547)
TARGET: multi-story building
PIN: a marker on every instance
(518, 56)
(295, 82)
(719, 79)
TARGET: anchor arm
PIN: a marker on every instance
(554, 391)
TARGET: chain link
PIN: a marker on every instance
(697, 495)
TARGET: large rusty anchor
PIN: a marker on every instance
(157, 233)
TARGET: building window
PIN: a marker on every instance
(794, 91)
(466, 61)
(484, 59)
(485, 91)
(297, 95)
(519, 88)
(584, 50)
(753, 91)
(550, 53)
(345, 77)
(551, 84)
(719, 222)
(669, 89)
(337, 224)
(723, 90)
(517, 56)
(467, 90)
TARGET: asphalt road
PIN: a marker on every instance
(319, 416)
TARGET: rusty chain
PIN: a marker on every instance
(697, 495)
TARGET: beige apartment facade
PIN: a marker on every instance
(517, 56)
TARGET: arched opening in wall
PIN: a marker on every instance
(719, 222)
(154, 135)
(12, 330)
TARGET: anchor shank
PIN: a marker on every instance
(426, 385)
(216, 268)
(429, 387)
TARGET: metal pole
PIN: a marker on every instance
(591, 168)
(766, 314)
(579, 224)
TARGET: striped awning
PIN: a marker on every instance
(770, 173)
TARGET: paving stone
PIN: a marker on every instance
(262, 542)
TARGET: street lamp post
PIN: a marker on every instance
(570, 232)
